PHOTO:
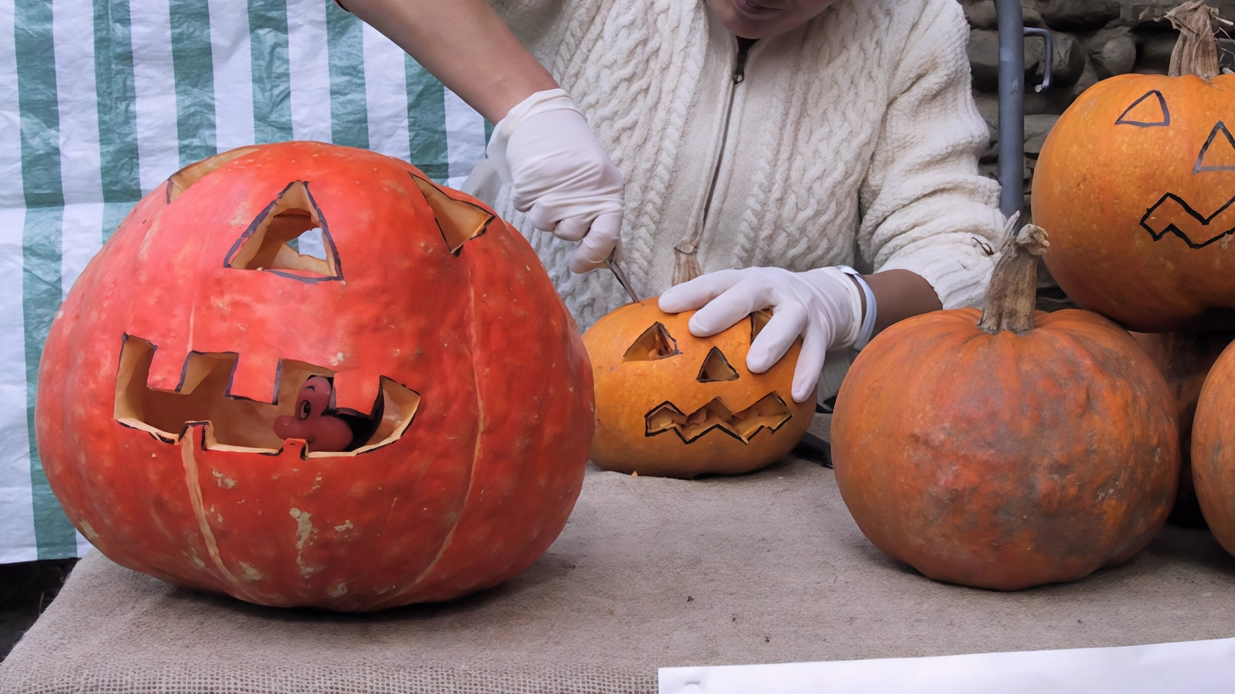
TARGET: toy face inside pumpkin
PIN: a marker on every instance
(199, 333)
(669, 403)
(1136, 185)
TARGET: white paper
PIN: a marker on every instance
(1193, 666)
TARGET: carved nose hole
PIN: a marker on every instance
(716, 368)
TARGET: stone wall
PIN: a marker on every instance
(1094, 39)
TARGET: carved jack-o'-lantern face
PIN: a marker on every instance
(1136, 186)
(181, 380)
(669, 403)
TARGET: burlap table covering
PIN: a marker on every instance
(649, 572)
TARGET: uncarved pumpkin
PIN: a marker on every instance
(672, 404)
(1213, 450)
(1185, 360)
(1136, 183)
(194, 329)
(1006, 449)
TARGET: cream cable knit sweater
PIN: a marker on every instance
(852, 140)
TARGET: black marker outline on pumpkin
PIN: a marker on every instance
(1166, 112)
(1171, 228)
(484, 228)
(666, 338)
(375, 414)
(1200, 160)
(677, 427)
(715, 353)
(327, 239)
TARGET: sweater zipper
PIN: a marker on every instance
(739, 76)
(686, 266)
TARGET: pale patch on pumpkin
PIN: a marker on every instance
(88, 531)
(306, 534)
(338, 591)
(197, 561)
(223, 482)
(347, 525)
(250, 573)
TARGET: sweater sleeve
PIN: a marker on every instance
(925, 207)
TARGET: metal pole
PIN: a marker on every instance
(1011, 106)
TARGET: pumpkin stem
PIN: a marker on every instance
(685, 264)
(1011, 298)
(1196, 52)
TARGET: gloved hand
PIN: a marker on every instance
(822, 306)
(561, 175)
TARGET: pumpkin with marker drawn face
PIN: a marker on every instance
(672, 404)
(1136, 186)
(403, 419)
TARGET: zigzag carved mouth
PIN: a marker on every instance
(235, 423)
(1172, 215)
(770, 413)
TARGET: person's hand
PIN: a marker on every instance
(561, 176)
(822, 306)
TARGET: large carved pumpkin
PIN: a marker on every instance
(197, 326)
(672, 404)
(1136, 184)
(1007, 449)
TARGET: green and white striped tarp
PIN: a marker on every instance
(100, 100)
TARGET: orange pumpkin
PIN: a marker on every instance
(1136, 183)
(189, 336)
(1185, 360)
(1213, 450)
(672, 404)
(1006, 449)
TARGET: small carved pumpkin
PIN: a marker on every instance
(1006, 450)
(672, 404)
(174, 373)
(1136, 183)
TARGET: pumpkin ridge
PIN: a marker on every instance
(194, 490)
(476, 449)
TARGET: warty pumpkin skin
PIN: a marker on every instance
(1136, 183)
(675, 405)
(193, 329)
(1011, 459)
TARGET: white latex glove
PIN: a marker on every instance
(822, 306)
(561, 175)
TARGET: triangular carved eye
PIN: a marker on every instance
(1218, 154)
(459, 221)
(655, 343)
(716, 368)
(1149, 111)
(180, 181)
(267, 243)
